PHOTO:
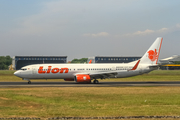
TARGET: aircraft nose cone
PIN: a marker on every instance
(17, 73)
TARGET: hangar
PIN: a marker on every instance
(173, 59)
(20, 61)
(111, 59)
(170, 63)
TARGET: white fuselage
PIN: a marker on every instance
(47, 72)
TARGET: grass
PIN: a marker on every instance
(92, 101)
(157, 75)
(7, 72)
(103, 101)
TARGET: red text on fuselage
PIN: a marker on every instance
(50, 70)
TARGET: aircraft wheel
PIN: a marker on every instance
(29, 82)
(96, 82)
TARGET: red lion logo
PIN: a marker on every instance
(152, 55)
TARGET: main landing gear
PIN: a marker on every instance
(95, 81)
(29, 82)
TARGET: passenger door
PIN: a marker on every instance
(33, 70)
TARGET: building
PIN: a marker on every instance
(170, 67)
(171, 63)
(169, 60)
(108, 59)
(20, 61)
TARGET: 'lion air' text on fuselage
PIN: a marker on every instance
(54, 70)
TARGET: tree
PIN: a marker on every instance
(5, 62)
(82, 60)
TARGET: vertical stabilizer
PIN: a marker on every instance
(152, 54)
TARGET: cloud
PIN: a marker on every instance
(53, 17)
(101, 34)
(162, 30)
(147, 32)
(143, 32)
(178, 25)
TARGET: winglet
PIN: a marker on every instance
(135, 67)
(90, 61)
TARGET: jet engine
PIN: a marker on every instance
(82, 78)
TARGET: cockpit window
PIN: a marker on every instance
(23, 69)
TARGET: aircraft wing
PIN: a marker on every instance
(100, 75)
(103, 75)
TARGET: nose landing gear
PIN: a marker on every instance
(29, 82)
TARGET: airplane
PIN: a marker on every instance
(85, 73)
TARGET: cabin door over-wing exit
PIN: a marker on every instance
(113, 68)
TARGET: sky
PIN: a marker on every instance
(86, 28)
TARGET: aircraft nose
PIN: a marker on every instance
(17, 73)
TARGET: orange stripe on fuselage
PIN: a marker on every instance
(135, 67)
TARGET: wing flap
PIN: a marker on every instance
(103, 75)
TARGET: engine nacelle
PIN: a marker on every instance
(68, 79)
(82, 78)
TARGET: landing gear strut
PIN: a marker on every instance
(29, 82)
(95, 81)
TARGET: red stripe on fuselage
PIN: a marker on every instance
(159, 50)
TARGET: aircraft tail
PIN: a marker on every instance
(152, 54)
